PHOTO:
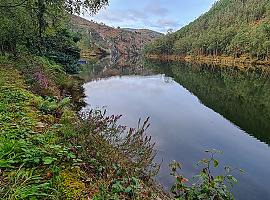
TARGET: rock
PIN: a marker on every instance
(40, 125)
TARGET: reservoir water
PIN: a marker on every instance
(193, 108)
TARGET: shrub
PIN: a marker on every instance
(204, 185)
(121, 157)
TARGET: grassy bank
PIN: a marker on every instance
(48, 151)
(241, 62)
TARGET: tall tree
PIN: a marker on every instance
(42, 14)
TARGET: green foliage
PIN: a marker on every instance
(48, 152)
(61, 47)
(15, 27)
(23, 149)
(232, 28)
(38, 26)
(30, 145)
(52, 106)
(117, 155)
(125, 188)
(132, 143)
(205, 185)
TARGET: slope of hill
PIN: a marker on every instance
(145, 32)
(99, 38)
(237, 28)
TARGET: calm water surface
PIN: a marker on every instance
(193, 108)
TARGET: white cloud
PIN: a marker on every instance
(149, 16)
(154, 7)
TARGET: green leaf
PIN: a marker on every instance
(202, 196)
(4, 164)
(71, 155)
(242, 171)
(128, 190)
(48, 160)
(219, 178)
(234, 179)
(36, 160)
(230, 177)
(216, 163)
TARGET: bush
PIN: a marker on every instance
(62, 49)
(120, 158)
(204, 185)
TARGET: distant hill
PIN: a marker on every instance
(238, 28)
(146, 32)
(101, 39)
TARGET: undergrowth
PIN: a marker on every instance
(48, 151)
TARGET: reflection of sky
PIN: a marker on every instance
(183, 128)
(159, 15)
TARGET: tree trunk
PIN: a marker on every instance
(41, 22)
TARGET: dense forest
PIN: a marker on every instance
(238, 28)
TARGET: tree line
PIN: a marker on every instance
(231, 27)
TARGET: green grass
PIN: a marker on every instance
(29, 143)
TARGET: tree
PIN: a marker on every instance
(45, 14)
(16, 25)
(169, 31)
(230, 27)
(71, 6)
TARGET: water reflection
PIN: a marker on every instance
(108, 67)
(240, 95)
(194, 108)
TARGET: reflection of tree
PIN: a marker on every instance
(110, 66)
(241, 96)
(167, 79)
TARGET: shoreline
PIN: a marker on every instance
(215, 60)
(41, 102)
(151, 184)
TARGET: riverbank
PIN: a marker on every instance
(215, 60)
(48, 151)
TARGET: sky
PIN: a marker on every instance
(158, 15)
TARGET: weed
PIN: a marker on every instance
(204, 185)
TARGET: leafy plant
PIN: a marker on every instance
(53, 106)
(204, 185)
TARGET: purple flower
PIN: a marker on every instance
(42, 79)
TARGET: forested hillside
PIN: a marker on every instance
(114, 41)
(238, 28)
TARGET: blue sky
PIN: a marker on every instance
(159, 15)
